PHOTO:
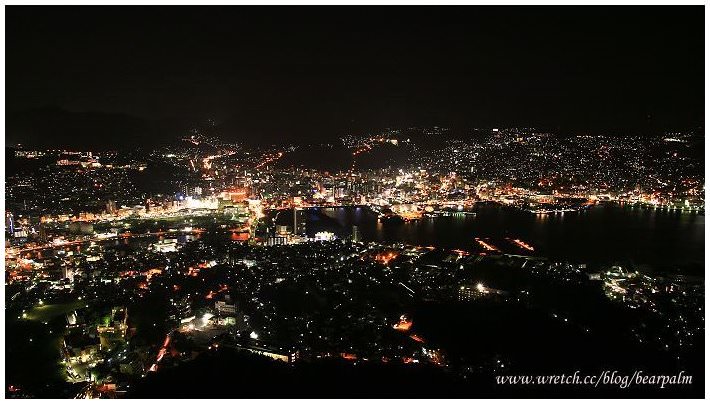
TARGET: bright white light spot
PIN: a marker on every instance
(206, 317)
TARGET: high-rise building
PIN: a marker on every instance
(356, 236)
(299, 221)
(9, 223)
(111, 207)
(43, 234)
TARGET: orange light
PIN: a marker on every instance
(417, 338)
(348, 356)
(523, 245)
(404, 324)
(485, 245)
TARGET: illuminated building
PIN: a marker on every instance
(467, 293)
(225, 306)
(166, 245)
(324, 236)
(80, 347)
(9, 223)
(111, 207)
(470, 292)
(115, 325)
(356, 236)
(277, 240)
(20, 233)
(299, 221)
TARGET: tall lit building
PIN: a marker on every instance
(43, 234)
(299, 221)
(111, 207)
(356, 236)
(9, 223)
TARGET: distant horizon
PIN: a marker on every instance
(315, 73)
(164, 134)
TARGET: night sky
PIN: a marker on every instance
(314, 73)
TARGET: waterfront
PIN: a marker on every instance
(666, 240)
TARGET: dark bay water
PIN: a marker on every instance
(602, 234)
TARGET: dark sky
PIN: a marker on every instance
(316, 72)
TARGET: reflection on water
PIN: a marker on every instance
(601, 234)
